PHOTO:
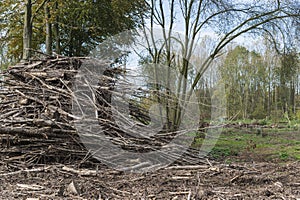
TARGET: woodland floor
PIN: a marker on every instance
(234, 181)
(253, 178)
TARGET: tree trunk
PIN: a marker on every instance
(56, 31)
(292, 97)
(48, 30)
(269, 99)
(27, 32)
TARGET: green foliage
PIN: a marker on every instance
(82, 24)
(259, 112)
(283, 155)
(276, 115)
(257, 87)
(244, 75)
(263, 122)
(4, 66)
(297, 115)
(222, 152)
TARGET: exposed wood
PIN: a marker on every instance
(81, 172)
(37, 120)
(40, 169)
(188, 167)
(35, 116)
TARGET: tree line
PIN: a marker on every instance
(259, 85)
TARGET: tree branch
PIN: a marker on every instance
(37, 10)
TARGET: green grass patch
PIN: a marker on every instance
(272, 144)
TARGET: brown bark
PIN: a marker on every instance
(27, 32)
(48, 30)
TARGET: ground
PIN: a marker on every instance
(219, 181)
(247, 172)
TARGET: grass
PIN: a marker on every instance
(274, 144)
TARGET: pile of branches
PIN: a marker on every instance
(36, 118)
(46, 113)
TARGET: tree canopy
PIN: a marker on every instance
(77, 26)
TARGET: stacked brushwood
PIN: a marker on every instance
(38, 122)
(35, 111)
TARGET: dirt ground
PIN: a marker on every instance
(208, 181)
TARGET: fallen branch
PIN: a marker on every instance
(40, 133)
(81, 172)
(188, 167)
(40, 169)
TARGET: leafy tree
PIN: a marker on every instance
(84, 24)
(77, 25)
(245, 76)
(287, 74)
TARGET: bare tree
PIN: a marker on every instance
(198, 16)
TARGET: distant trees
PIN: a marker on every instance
(288, 81)
(259, 85)
(244, 75)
